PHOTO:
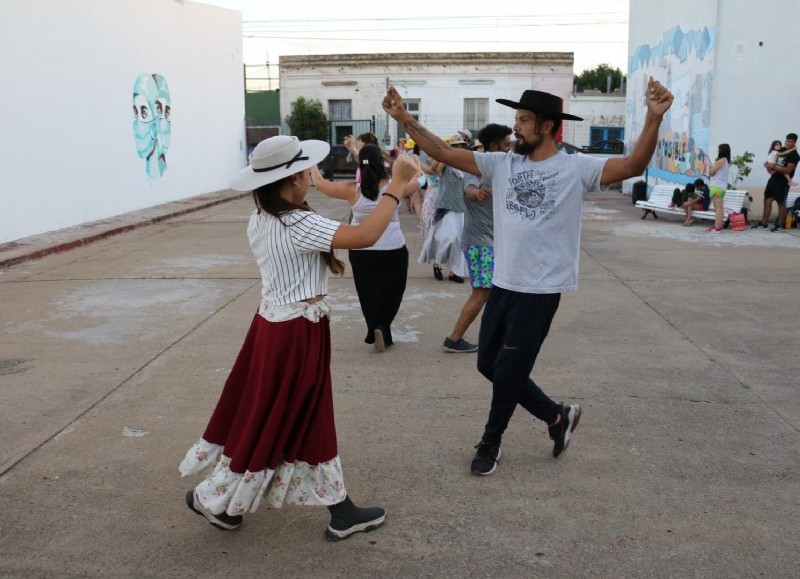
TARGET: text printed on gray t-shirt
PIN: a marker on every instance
(537, 218)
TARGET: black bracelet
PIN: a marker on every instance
(392, 196)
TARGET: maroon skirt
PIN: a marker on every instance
(272, 432)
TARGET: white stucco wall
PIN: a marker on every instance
(756, 88)
(441, 83)
(743, 93)
(68, 155)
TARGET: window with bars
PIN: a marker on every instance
(340, 110)
(413, 107)
(475, 114)
(606, 134)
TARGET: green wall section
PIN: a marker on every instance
(262, 108)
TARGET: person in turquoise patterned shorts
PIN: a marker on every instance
(477, 240)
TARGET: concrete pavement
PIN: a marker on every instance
(681, 346)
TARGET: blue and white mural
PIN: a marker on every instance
(152, 109)
(684, 62)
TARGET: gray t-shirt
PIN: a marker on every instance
(478, 220)
(537, 215)
(451, 190)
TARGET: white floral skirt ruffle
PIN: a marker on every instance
(233, 493)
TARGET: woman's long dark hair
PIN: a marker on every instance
(370, 160)
(268, 199)
(724, 151)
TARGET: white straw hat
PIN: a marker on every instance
(457, 139)
(276, 158)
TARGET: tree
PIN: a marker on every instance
(308, 120)
(597, 78)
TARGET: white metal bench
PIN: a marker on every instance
(660, 200)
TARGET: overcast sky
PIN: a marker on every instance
(596, 31)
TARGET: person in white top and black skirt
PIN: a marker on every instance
(379, 271)
(272, 435)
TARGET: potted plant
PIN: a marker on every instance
(742, 163)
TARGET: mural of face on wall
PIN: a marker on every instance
(152, 109)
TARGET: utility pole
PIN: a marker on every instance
(386, 139)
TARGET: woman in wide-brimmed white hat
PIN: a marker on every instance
(272, 434)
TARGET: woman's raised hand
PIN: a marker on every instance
(404, 169)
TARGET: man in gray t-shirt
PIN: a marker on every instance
(478, 214)
(477, 239)
(537, 194)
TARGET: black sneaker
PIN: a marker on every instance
(348, 519)
(561, 432)
(777, 229)
(460, 347)
(758, 225)
(224, 521)
(486, 457)
(455, 278)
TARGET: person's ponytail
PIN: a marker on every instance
(373, 172)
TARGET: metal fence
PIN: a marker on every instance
(578, 133)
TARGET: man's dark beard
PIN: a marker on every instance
(523, 148)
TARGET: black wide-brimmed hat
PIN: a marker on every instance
(540, 102)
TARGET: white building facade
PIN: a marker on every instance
(603, 118)
(727, 64)
(110, 107)
(446, 91)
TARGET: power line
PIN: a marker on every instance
(452, 26)
(425, 25)
(306, 21)
(434, 28)
(442, 41)
(306, 30)
(277, 30)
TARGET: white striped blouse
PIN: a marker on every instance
(289, 254)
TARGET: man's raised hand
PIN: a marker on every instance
(659, 99)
